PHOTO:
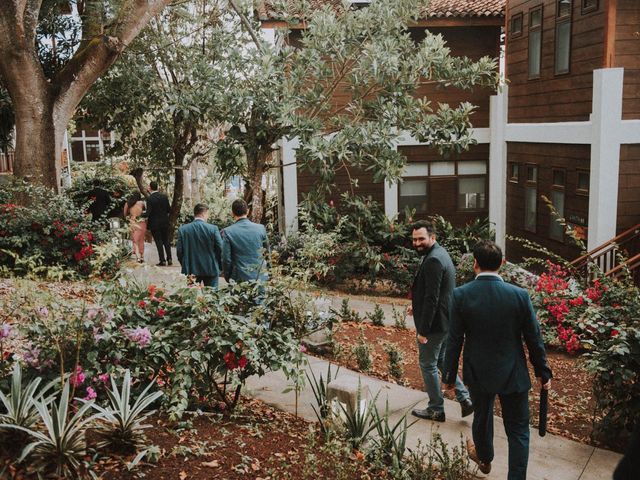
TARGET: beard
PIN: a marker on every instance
(422, 251)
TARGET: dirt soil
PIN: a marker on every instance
(571, 404)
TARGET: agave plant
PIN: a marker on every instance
(19, 403)
(121, 426)
(391, 440)
(358, 422)
(60, 447)
(319, 388)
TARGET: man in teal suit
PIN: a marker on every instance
(199, 248)
(491, 318)
(243, 245)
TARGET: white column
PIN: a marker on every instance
(390, 199)
(606, 121)
(498, 109)
(290, 183)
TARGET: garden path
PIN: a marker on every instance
(551, 457)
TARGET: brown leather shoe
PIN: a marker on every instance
(473, 455)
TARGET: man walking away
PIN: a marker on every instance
(158, 222)
(243, 244)
(430, 296)
(199, 248)
(491, 317)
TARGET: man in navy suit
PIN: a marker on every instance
(158, 222)
(243, 245)
(199, 248)
(430, 297)
(491, 318)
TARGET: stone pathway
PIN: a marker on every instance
(551, 457)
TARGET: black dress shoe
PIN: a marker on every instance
(466, 407)
(161, 264)
(169, 263)
(428, 414)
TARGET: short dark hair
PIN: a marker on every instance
(488, 255)
(199, 209)
(239, 207)
(153, 185)
(426, 224)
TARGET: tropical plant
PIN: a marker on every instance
(399, 317)
(362, 353)
(394, 354)
(391, 440)
(319, 388)
(19, 404)
(60, 447)
(121, 424)
(357, 420)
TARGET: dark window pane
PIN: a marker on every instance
(583, 181)
(77, 151)
(535, 18)
(413, 194)
(513, 172)
(589, 4)
(530, 209)
(563, 40)
(535, 38)
(556, 229)
(532, 173)
(93, 150)
(559, 178)
(516, 24)
(471, 193)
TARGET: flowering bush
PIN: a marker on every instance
(39, 229)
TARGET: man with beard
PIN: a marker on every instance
(430, 296)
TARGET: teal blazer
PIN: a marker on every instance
(199, 249)
(491, 318)
(243, 244)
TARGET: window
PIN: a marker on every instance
(556, 229)
(472, 193)
(443, 169)
(413, 194)
(515, 28)
(563, 37)
(535, 41)
(589, 6)
(531, 199)
(583, 183)
(514, 171)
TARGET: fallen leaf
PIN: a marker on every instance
(183, 475)
(211, 464)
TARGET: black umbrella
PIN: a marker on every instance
(544, 408)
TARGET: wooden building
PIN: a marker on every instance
(572, 133)
(455, 187)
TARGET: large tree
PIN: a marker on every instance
(346, 88)
(45, 99)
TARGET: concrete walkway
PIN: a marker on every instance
(551, 457)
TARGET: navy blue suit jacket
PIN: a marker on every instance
(491, 318)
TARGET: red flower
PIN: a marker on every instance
(614, 333)
(242, 363)
(142, 304)
(331, 203)
(576, 301)
(152, 290)
(161, 312)
(230, 360)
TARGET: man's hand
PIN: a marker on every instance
(410, 310)
(422, 339)
(448, 386)
(545, 386)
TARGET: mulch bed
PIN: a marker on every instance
(571, 404)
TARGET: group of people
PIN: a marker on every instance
(204, 252)
(489, 319)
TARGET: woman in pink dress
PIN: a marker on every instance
(137, 225)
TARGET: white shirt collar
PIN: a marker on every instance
(488, 274)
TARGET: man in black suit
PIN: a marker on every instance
(100, 201)
(491, 317)
(158, 222)
(430, 296)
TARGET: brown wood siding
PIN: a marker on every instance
(627, 55)
(629, 186)
(443, 191)
(551, 97)
(571, 159)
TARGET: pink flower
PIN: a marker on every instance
(77, 378)
(43, 311)
(161, 312)
(91, 394)
(303, 348)
(140, 335)
(5, 330)
(104, 378)
(92, 312)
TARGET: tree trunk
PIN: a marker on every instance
(39, 134)
(253, 193)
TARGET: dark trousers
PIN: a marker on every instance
(207, 281)
(515, 417)
(161, 237)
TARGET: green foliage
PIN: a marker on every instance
(39, 229)
(399, 317)
(19, 406)
(396, 367)
(362, 353)
(377, 316)
(436, 461)
(347, 314)
(121, 424)
(358, 420)
(319, 389)
(389, 445)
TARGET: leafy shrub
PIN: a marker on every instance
(394, 354)
(391, 440)
(347, 314)
(362, 353)
(377, 316)
(47, 229)
(399, 317)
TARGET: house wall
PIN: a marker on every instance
(571, 159)
(554, 97)
(627, 55)
(629, 186)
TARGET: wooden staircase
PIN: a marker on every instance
(607, 256)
